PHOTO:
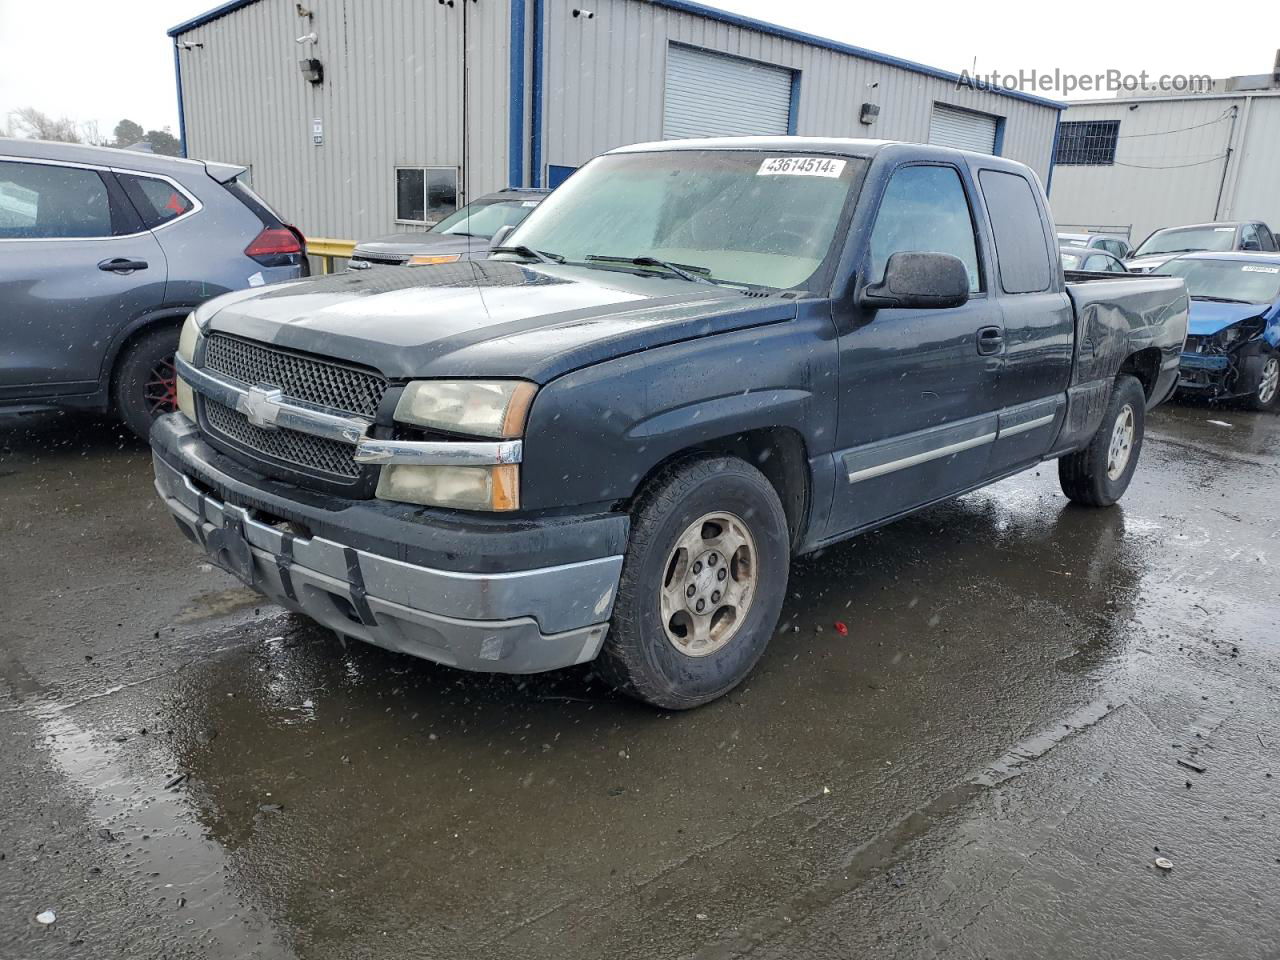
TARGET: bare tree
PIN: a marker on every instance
(30, 122)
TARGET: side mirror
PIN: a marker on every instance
(504, 231)
(1251, 245)
(920, 281)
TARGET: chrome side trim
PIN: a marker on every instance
(1028, 425)
(893, 466)
(265, 408)
(439, 453)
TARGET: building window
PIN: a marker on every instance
(1087, 142)
(425, 194)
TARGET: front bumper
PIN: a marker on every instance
(477, 615)
(1205, 374)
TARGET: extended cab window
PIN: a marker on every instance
(43, 201)
(1018, 230)
(924, 209)
(157, 201)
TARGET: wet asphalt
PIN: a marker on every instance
(987, 764)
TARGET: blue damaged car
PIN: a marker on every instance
(1233, 341)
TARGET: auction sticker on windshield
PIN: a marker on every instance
(801, 167)
(1252, 269)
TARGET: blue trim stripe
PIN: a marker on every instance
(998, 147)
(515, 109)
(231, 6)
(535, 117)
(182, 114)
(793, 114)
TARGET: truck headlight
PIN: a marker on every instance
(187, 341)
(474, 408)
(466, 488)
(477, 408)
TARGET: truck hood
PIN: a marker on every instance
(1147, 264)
(407, 244)
(1208, 317)
(485, 318)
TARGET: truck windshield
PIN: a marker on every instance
(748, 217)
(1187, 239)
(484, 219)
(1228, 279)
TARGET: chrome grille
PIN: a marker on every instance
(316, 454)
(317, 381)
(325, 383)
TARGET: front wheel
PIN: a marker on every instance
(702, 585)
(1098, 475)
(1267, 392)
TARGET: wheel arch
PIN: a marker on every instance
(778, 452)
(1144, 366)
(135, 331)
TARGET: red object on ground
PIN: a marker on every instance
(841, 628)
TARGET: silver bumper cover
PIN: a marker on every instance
(524, 621)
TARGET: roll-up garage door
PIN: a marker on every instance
(713, 95)
(949, 127)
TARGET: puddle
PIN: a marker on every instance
(153, 836)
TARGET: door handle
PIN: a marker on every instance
(990, 341)
(121, 265)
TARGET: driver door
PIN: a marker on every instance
(918, 387)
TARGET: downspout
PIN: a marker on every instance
(1053, 152)
(515, 105)
(535, 118)
(1226, 163)
(182, 117)
(466, 111)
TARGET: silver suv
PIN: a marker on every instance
(103, 252)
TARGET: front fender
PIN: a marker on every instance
(596, 433)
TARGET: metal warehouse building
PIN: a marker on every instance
(1133, 165)
(364, 117)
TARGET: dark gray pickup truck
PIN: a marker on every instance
(691, 363)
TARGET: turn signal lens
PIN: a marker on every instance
(186, 399)
(188, 338)
(424, 259)
(464, 488)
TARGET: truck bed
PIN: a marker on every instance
(1120, 314)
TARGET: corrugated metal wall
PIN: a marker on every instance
(391, 97)
(1170, 163)
(605, 84)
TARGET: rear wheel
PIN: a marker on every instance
(702, 585)
(1267, 392)
(1098, 475)
(145, 385)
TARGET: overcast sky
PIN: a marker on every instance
(91, 60)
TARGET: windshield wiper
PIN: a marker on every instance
(541, 256)
(1161, 253)
(1205, 296)
(685, 271)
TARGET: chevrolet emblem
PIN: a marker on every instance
(261, 405)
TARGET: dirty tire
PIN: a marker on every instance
(1266, 392)
(135, 375)
(638, 657)
(1084, 475)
